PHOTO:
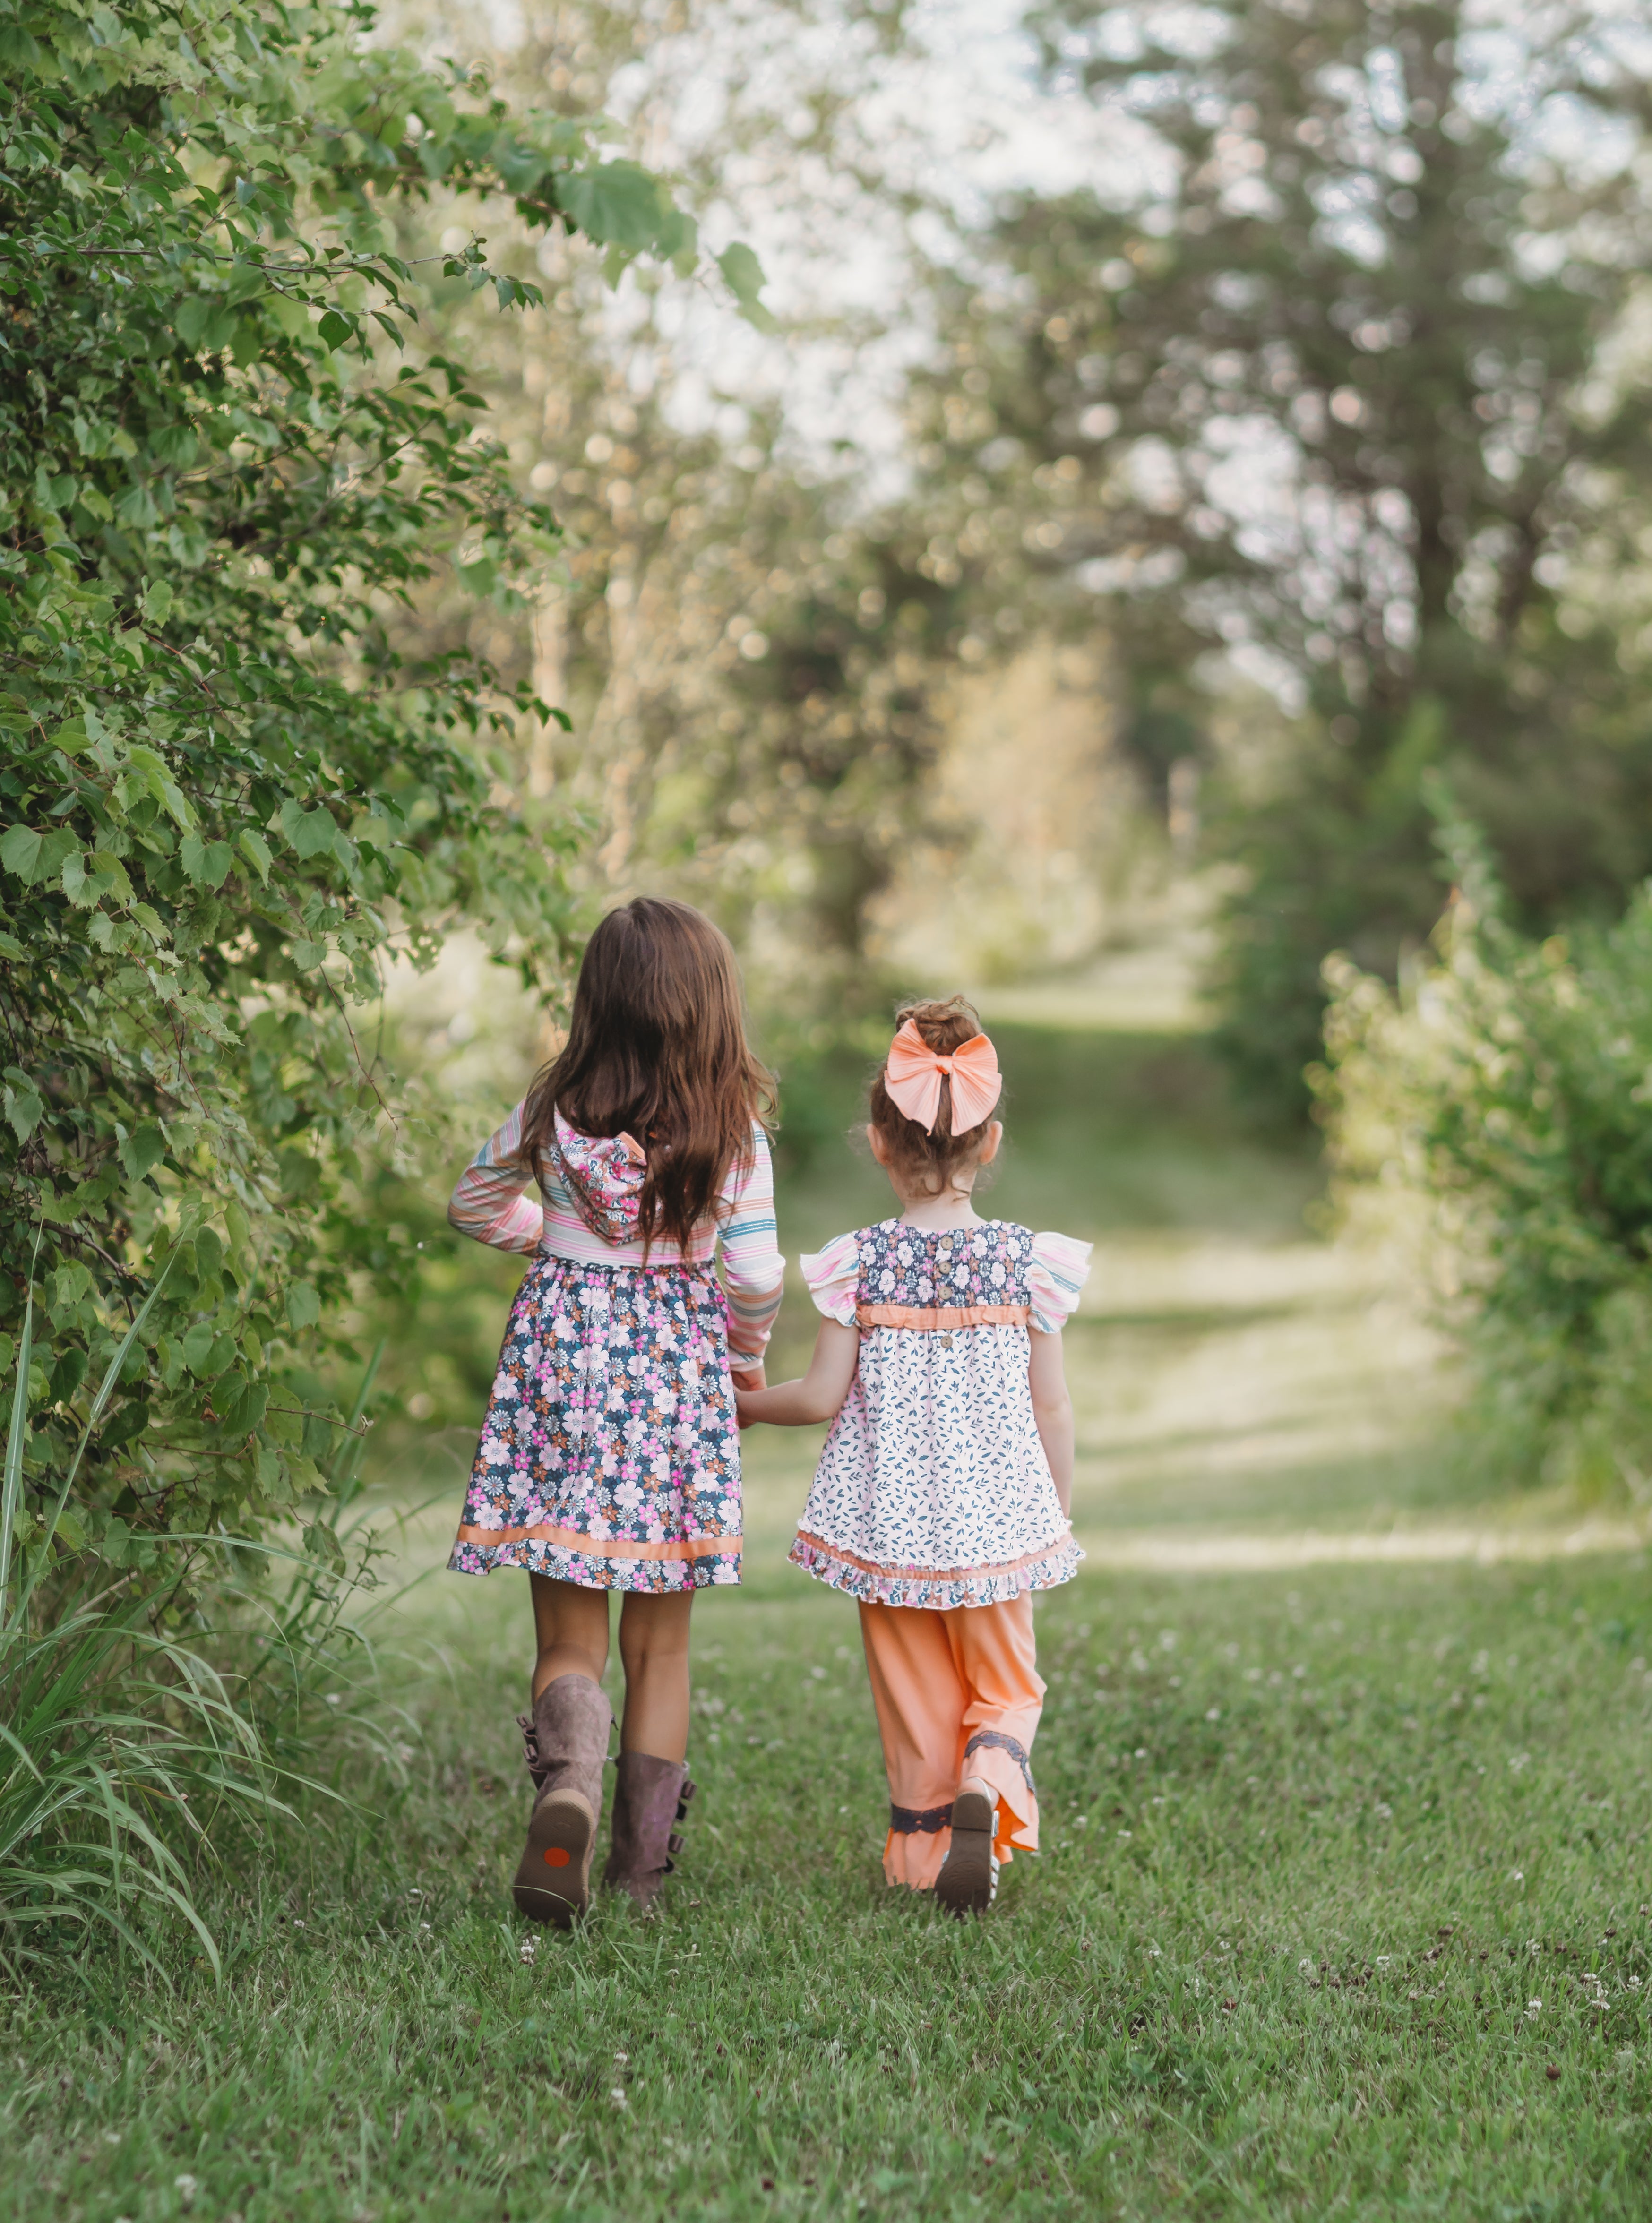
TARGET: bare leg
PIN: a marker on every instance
(571, 1625)
(654, 1648)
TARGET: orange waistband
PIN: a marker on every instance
(932, 1317)
(601, 1547)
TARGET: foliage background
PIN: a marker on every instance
(234, 457)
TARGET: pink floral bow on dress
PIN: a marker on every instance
(605, 1180)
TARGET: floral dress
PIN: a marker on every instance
(933, 1488)
(609, 1454)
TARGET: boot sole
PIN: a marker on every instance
(965, 1883)
(553, 1880)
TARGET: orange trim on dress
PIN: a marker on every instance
(943, 1316)
(927, 1574)
(605, 1547)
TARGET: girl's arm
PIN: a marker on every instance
(1052, 1408)
(753, 1270)
(821, 1392)
(488, 1203)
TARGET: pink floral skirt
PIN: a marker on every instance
(609, 1455)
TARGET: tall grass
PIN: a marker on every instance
(123, 1750)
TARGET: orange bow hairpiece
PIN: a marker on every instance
(913, 1077)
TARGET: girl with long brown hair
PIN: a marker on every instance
(609, 1455)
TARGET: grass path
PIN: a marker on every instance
(1341, 1912)
(1342, 1909)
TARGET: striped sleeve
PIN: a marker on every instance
(753, 1271)
(488, 1203)
(1058, 1271)
(833, 1276)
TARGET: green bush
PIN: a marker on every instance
(1504, 1093)
(226, 795)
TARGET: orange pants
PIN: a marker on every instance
(957, 1693)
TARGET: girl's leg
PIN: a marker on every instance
(651, 1787)
(993, 1652)
(920, 1702)
(567, 1750)
(654, 1652)
(571, 1626)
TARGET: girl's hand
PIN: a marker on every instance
(820, 1392)
(747, 1378)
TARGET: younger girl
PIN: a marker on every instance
(942, 1497)
(609, 1457)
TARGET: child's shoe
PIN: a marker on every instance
(649, 1796)
(968, 1877)
(566, 1740)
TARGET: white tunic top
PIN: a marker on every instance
(933, 1488)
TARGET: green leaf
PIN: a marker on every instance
(744, 275)
(20, 849)
(23, 1106)
(303, 1305)
(255, 850)
(70, 1284)
(615, 203)
(336, 330)
(207, 863)
(157, 602)
(198, 1348)
(142, 1149)
(310, 832)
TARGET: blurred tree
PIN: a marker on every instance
(1334, 381)
(748, 644)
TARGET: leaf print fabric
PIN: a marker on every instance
(933, 1489)
(609, 1455)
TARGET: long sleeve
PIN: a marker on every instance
(753, 1271)
(488, 1202)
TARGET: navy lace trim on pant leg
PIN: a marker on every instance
(911, 1822)
(999, 1742)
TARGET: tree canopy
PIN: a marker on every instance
(1329, 385)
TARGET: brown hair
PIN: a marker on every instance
(656, 1049)
(922, 1161)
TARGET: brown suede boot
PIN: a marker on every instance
(650, 1795)
(567, 1748)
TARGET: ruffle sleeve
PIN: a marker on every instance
(1056, 1273)
(832, 1274)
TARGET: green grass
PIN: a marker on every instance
(1315, 1842)
(1314, 1847)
